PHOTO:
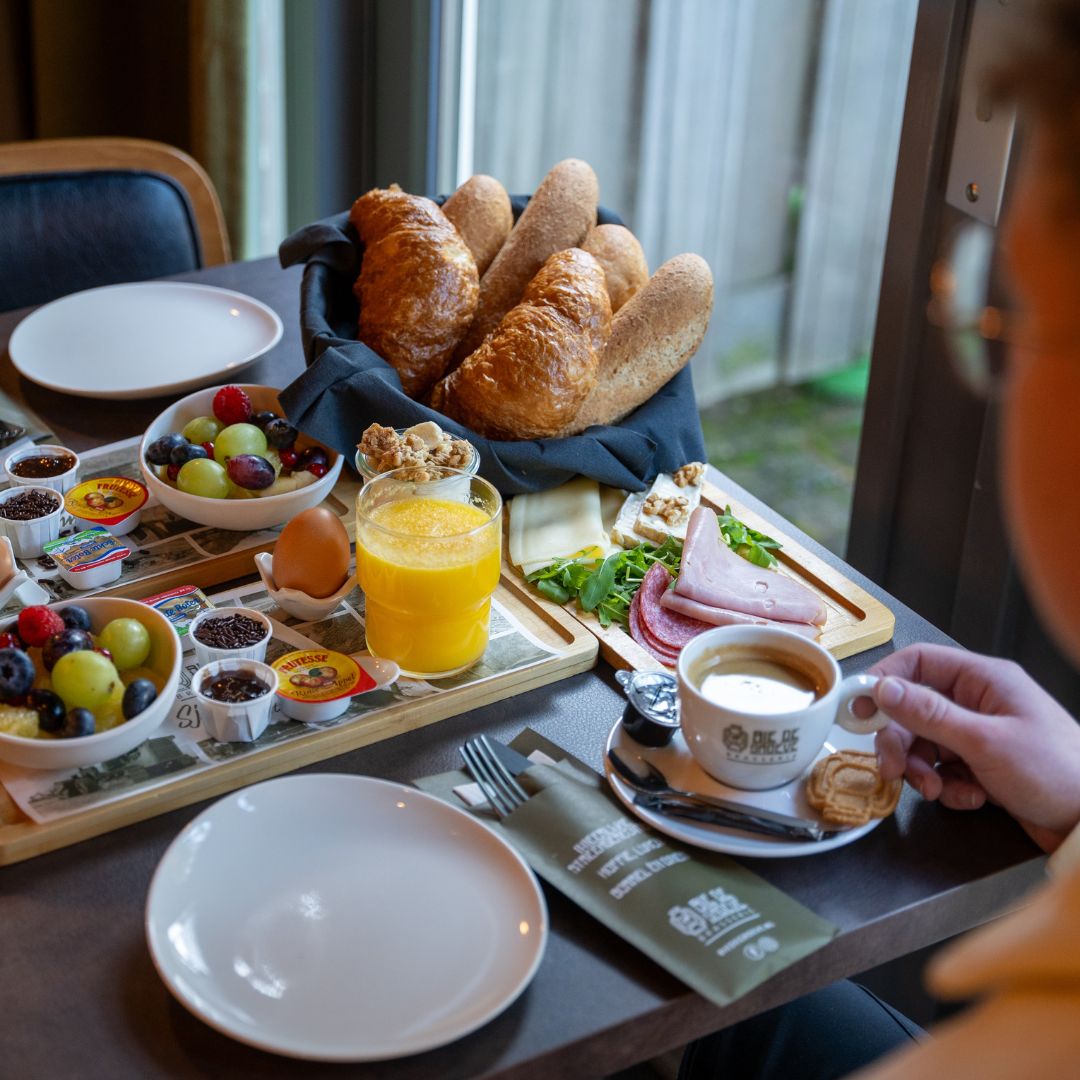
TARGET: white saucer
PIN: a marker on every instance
(682, 771)
(342, 918)
(143, 339)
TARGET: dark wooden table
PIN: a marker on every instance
(80, 997)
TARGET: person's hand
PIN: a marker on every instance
(967, 728)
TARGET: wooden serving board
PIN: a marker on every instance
(21, 838)
(856, 621)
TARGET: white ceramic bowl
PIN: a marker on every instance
(244, 515)
(235, 721)
(206, 654)
(62, 482)
(91, 749)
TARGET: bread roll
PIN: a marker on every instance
(480, 210)
(652, 338)
(619, 254)
(530, 376)
(418, 285)
(558, 216)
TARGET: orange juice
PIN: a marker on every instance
(428, 567)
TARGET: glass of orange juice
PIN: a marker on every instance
(428, 557)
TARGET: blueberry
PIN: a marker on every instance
(280, 433)
(188, 452)
(50, 709)
(75, 617)
(139, 695)
(79, 722)
(262, 419)
(16, 674)
(160, 450)
(60, 644)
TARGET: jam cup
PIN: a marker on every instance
(28, 538)
(234, 721)
(62, 481)
(205, 653)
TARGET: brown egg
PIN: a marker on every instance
(312, 553)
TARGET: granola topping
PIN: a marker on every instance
(673, 509)
(385, 449)
(693, 473)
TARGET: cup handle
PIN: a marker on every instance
(856, 686)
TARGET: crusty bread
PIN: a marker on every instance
(418, 284)
(652, 337)
(619, 254)
(558, 216)
(480, 210)
(530, 376)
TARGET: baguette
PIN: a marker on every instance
(652, 338)
(618, 252)
(480, 210)
(558, 216)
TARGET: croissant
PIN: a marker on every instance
(531, 374)
(418, 286)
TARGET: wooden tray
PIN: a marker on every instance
(855, 622)
(21, 838)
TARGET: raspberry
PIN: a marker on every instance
(38, 623)
(10, 640)
(232, 405)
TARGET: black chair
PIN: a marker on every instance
(79, 213)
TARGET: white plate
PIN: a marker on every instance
(682, 771)
(143, 339)
(342, 918)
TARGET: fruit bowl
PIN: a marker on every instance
(243, 515)
(164, 660)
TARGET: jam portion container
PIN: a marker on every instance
(90, 558)
(315, 685)
(54, 467)
(229, 638)
(181, 606)
(114, 502)
(29, 535)
(228, 720)
(651, 716)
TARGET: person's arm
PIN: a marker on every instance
(967, 728)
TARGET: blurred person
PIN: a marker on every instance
(970, 729)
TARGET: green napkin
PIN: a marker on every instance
(709, 921)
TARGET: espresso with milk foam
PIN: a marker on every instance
(757, 681)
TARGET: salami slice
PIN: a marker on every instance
(669, 628)
(665, 655)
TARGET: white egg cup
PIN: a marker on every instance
(295, 602)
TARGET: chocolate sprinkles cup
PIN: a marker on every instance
(230, 633)
(30, 518)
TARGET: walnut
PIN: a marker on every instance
(385, 449)
(693, 473)
(673, 509)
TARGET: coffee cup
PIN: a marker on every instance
(756, 703)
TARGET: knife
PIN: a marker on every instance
(693, 809)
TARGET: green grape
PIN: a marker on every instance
(84, 679)
(201, 476)
(239, 439)
(128, 641)
(202, 429)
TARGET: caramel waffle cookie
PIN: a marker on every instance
(846, 789)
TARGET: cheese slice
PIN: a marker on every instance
(652, 526)
(556, 524)
(622, 532)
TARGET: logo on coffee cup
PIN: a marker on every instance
(760, 747)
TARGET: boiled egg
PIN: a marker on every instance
(312, 553)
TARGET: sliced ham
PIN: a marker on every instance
(663, 653)
(714, 616)
(670, 628)
(712, 574)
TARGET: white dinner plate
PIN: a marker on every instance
(682, 771)
(342, 918)
(142, 339)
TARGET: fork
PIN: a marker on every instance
(503, 793)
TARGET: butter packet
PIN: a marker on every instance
(180, 606)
